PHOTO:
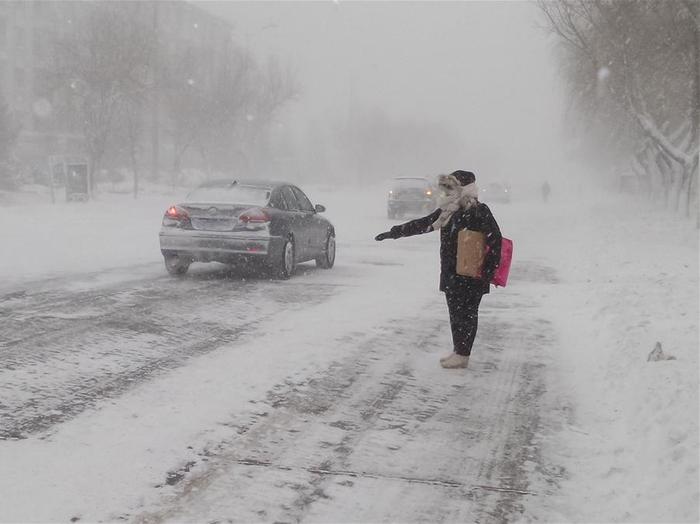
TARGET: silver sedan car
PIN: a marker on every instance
(272, 224)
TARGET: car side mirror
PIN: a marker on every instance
(319, 208)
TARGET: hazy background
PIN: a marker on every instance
(480, 74)
(174, 92)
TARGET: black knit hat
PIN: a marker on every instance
(464, 177)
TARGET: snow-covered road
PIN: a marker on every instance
(129, 395)
(370, 412)
(380, 434)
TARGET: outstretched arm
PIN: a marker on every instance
(412, 227)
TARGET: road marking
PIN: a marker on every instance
(377, 476)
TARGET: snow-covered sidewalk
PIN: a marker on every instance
(40, 240)
(628, 277)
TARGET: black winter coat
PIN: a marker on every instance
(476, 218)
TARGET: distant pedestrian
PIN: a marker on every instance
(459, 209)
(546, 190)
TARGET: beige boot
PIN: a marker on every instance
(442, 359)
(455, 361)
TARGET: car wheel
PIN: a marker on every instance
(327, 258)
(176, 265)
(286, 264)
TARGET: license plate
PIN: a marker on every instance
(212, 224)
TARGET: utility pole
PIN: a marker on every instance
(155, 98)
(695, 112)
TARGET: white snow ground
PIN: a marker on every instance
(629, 439)
(608, 277)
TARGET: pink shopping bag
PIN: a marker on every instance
(500, 278)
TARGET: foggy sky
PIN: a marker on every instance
(484, 67)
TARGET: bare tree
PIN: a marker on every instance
(103, 70)
(133, 111)
(206, 92)
(9, 132)
(374, 143)
(221, 104)
(276, 88)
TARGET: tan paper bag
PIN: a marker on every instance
(471, 249)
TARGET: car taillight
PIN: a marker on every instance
(175, 216)
(254, 216)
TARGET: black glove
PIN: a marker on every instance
(383, 236)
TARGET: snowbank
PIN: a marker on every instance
(629, 439)
(41, 240)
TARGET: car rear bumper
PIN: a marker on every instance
(217, 246)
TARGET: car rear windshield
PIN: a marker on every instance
(231, 194)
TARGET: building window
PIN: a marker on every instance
(38, 43)
(3, 32)
(3, 76)
(38, 84)
(19, 38)
(19, 78)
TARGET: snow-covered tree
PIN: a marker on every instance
(632, 70)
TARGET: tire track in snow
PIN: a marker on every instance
(75, 349)
(291, 405)
(410, 443)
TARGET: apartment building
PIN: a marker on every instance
(29, 30)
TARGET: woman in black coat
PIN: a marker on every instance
(459, 209)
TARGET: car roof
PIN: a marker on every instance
(225, 182)
(414, 179)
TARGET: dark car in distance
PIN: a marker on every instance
(271, 224)
(410, 196)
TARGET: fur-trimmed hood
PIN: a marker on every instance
(453, 196)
